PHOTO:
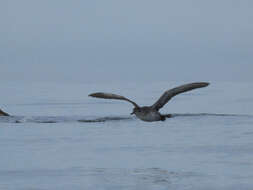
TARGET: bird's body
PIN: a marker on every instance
(151, 113)
(146, 113)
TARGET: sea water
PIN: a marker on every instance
(59, 138)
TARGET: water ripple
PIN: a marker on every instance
(97, 119)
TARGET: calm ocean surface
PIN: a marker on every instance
(60, 139)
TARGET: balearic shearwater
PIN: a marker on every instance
(2, 113)
(151, 113)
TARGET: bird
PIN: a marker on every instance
(151, 113)
(2, 113)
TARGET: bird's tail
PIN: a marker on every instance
(163, 117)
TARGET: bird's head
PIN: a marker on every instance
(136, 109)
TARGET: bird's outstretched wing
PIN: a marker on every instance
(175, 91)
(111, 96)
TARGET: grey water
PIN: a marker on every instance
(59, 138)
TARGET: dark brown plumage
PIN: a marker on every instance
(150, 113)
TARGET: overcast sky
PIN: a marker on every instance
(144, 40)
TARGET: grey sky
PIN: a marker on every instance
(184, 40)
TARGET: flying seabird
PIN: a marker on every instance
(2, 113)
(151, 113)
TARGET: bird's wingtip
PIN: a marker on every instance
(207, 83)
(91, 95)
(96, 95)
(204, 84)
(2, 113)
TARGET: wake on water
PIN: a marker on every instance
(96, 119)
